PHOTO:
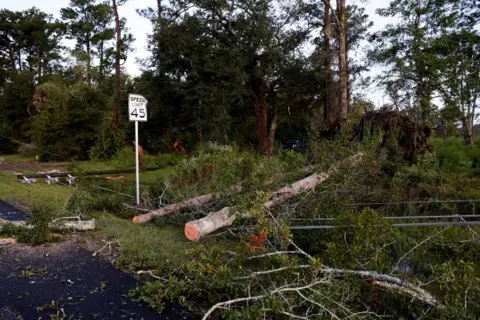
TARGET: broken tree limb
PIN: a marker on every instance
(197, 201)
(167, 210)
(59, 225)
(196, 229)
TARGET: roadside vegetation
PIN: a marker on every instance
(271, 187)
(439, 262)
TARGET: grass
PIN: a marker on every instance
(17, 158)
(95, 165)
(146, 246)
(13, 190)
(142, 247)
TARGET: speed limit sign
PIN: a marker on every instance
(137, 112)
(137, 108)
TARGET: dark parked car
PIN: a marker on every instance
(293, 145)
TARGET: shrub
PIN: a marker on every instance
(124, 158)
(455, 156)
(69, 120)
(163, 160)
(41, 218)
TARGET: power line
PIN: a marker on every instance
(53, 192)
(113, 191)
(412, 202)
(398, 218)
(55, 154)
(399, 225)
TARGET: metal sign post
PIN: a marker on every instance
(137, 111)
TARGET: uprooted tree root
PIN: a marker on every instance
(411, 138)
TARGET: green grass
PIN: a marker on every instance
(142, 247)
(146, 246)
(95, 165)
(13, 190)
(17, 158)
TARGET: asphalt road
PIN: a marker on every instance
(7, 212)
(38, 282)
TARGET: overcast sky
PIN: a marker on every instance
(139, 27)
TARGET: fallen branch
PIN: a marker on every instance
(259, 297)
(167, 210)
(197, 201)
(150, 272)
(381, 280)
(59, 225)
(387, 281)
(196, 229)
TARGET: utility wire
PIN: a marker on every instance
(412, 202)
(399, 225)
(398, 218)
(53, 192)
(56, 154)
(113, 191)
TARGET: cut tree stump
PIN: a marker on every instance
(196, 229)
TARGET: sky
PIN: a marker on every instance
(140, 27)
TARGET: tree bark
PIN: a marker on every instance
(165, 211)
(265, 134)
(196, 229)
(159, 10)
(89, 57)
(467, 124)
(61, 225)
(260, 105)
(116, 98)
(327, 66)
(39, 61)
(342, 58)
(273, 129)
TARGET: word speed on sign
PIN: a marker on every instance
(137, 108)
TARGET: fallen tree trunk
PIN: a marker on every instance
(196, 229)
(58, 225)
(167, 210)
(197, 201)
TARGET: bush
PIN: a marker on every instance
(455, 156)
(42, 216)
(124, 158)
(163, 160)
(69, 120)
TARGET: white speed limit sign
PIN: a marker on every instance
(137, 108)
(137, 112)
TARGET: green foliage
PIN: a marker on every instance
(124, 158)
(460, 283)
(40, 232)
(454, 156)
(360, 241)
(68, 122)
(108, 141)
(163, 160)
